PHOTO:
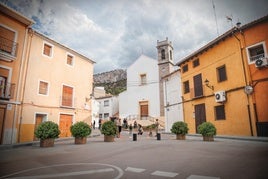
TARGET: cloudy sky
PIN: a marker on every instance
(114, 33)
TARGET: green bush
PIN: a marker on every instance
(47, 130)
(207, 129)
(179, 128)
(108, 128)
(80, 129)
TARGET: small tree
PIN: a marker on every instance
(47, 130)
(108, 128)
(207, 129)
(80, 129)
(179, 128)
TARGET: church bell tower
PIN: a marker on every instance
(165, 67)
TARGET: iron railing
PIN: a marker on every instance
(7, 91)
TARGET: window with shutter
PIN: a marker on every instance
(7, 40)
(186, 87)
(43, 88)
(198, 86)
(67, 96)
(70, 60)
(221, 73)
(219, 112)
(47, 50)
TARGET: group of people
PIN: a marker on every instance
(118, 123)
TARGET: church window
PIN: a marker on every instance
(170, 54)
(163, 55)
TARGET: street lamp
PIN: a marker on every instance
(207, 84)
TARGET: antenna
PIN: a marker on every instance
(214, 10)
(230, 19)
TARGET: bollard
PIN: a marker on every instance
(134, 137)
(158, 135)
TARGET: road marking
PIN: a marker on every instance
(136, 170)
(66, 174)
(120, 171)
(164, 174)
(201, 177)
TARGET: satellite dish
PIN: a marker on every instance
(248, 89)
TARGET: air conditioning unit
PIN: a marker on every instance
(261, 62)
(220, 96)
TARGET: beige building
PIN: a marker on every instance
(13, 42)
(58, 84)
(41, 80)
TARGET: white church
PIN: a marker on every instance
(153, 89)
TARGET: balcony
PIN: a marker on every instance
(7, 91)
(8, 49)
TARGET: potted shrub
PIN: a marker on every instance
(208, 130)
(80, 131)
(108, 129)
(47, 132)
(180, 128)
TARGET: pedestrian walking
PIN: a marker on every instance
(156, 126)
(140, 130)
(94, 123)
(130, 130)
(99, 124)
(119, 127)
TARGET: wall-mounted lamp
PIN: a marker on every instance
(207, 84)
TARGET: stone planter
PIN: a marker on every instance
(80, 140)
(47, 142)
(108, 138)
(180, 137)
(208, 138)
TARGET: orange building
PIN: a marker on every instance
(13, 42)
(214, 79)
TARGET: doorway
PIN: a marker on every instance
(200, 114)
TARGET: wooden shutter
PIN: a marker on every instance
(7, 38)
(69, 60)
(47, 50)
(67, 96)
(198, 86)
(222, 74)
(200, 114)
(144, 110)
(43, 88)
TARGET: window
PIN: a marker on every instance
(198, 87)
(196, 62)
(143, 79)
(186, 87)
(100, 116)
(163, 55)
(170, 54)
(47, 50)
(184, 68)
(67, 96)
(256, 51)
(70, 60)
(43, 88)
(219, 112)
(7, 41)
(221, 73)
(106, 103)
(106, 115)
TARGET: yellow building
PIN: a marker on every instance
(214, 80)
(13, 42)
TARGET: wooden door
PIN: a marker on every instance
(144, 110)
(65, 124)
(200, 114)
(198, 86)
(38, 121)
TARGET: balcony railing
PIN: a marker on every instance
(8, 46)
(7, 91)
(256, 57)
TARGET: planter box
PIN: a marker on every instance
(208, 138)
(80, 140)
(180, 137)
(108, 138)
(47, 142)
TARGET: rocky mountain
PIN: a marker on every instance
(114, 81)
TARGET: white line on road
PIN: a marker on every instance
(201, 177)
(164, 174)
(136, 170)
(66, 174)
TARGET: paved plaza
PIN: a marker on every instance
(144, 158)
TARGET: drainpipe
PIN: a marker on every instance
(245, 77)
(24, 78)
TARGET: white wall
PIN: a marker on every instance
(129, 99)
(172, 100)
